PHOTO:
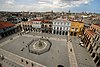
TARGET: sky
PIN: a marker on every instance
(49, 5)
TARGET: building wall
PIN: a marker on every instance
(31, 26)
(61, 27)
(46, 26)
(91, 41)
(26, 26)
(36, 24)
(76, 28)
(6, 29)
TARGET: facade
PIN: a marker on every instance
(91, 41)
(46, 26)
(6, 29)
(61, 26)
(34, 25)
(76, 28)
(26, 26)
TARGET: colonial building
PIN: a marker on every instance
(6, 29)
(34, 25)
(76, 28)
(46, 26)
(61, 26)
(26, 26)
(91, 41)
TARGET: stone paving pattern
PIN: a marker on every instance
(58, 54)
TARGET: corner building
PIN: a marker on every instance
(76, 28)
(61, 26)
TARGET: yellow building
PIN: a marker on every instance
(76, 28)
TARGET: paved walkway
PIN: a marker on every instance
(13, 57)
(9, 40)
(72, 58)
(17, 59)
(52, 38)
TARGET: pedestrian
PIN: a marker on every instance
(71, 49)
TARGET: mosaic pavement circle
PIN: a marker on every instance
(39, 46)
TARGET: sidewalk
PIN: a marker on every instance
(9, 40)
(83, 58)
(72, 58)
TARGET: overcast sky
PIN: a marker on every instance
(48, 5)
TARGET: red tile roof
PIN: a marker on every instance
(29, 22)
(45, 21)
(97, 25)
(36, 20)
(5, 24)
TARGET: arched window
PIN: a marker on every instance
(32, 64)
(21, 60)
(57, 28)
(26, 62)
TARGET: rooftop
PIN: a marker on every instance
(78, 21)
(36, 20)
(97, 25)
(5, 24)
(61, 20)
(45, 21)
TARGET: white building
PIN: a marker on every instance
(33, 25)
(61, 26)
(36, 24)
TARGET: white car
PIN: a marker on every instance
(81, 43)
(80, 35)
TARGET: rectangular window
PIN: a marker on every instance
(61, 23)
(58, 22)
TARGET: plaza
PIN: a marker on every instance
(58, 52)
(25, 51)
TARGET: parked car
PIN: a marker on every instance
(81, 44)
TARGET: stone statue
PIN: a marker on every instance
(40, 43)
